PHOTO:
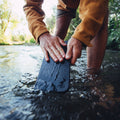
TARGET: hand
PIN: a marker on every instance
(52, 45)
(74, 48)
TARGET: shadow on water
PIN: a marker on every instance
(88, 98)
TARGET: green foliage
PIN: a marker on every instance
(4, 16)
(22, 37)
(114, 7)
(17, 38)
(4, 19)
(73, 25)
(51, 21)
(32, 40)
(114, 25)
(114, 33)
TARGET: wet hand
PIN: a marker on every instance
(51, 45)
(74, 48)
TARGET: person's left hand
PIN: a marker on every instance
(74, 49)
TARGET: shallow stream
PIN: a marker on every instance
(88, 98)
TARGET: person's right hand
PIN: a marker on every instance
(51, 45)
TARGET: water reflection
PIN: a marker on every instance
(89, 97)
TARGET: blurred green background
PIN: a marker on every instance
(14, 30)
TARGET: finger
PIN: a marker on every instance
(76, 54)
(74, 57)
(69, 52)
(57, 53)
(51, 53)
(45, 54)
(62, 42)
(60, 49)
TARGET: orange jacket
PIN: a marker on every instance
(91, 13)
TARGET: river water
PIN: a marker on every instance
(88, 98)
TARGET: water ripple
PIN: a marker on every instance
(90, 97)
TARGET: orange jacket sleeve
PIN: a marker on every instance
(35, 16)
(91, 13)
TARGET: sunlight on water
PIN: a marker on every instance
(89, 97)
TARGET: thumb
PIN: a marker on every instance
(69, 52)
(62, 42)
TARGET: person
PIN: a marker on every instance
(92, 30)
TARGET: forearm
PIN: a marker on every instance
(62, 24)
(66, 10)
(35, 16)
(92, 14)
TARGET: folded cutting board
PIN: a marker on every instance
(54, 76)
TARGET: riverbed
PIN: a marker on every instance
(88, 98)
